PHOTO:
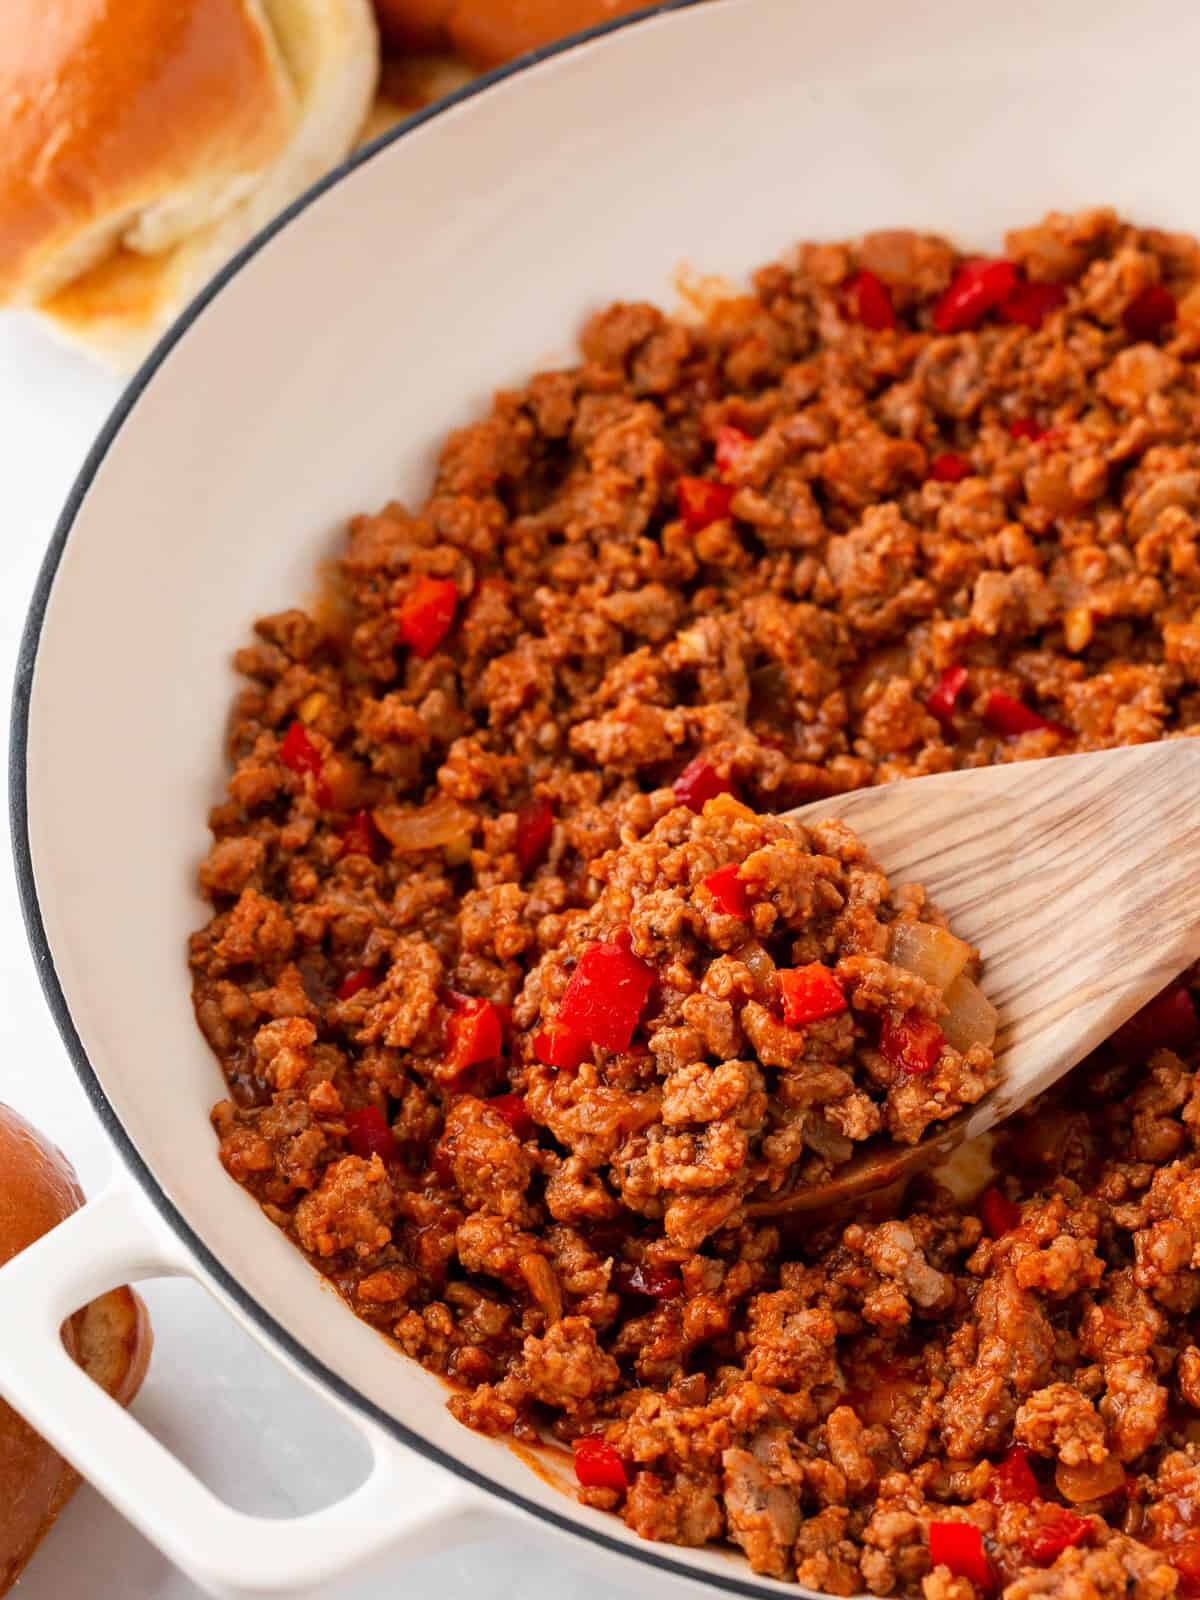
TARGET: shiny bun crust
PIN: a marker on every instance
(141, 144)
(128, 125)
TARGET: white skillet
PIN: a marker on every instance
(314, 379)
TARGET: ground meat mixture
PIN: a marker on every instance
(767, 1032)
(524, 991)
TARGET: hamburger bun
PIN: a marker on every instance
(110, 1339)
(144, 143)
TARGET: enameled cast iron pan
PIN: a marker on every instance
(313, 379)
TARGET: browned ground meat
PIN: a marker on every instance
(921, 548)
(722, 1095)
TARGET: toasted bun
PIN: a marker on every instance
(190, 124)
(110, 1339)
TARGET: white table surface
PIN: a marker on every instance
(257, 1438)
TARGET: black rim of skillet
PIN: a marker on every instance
(27, 887)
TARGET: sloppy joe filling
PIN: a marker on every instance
(525, 992)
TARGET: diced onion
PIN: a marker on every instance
(968, 1169)
(440, 824)
(971, 1017)
(827, 1141)
(759, 961)
(542, 1284)
(1089, 1480)
(928, 952)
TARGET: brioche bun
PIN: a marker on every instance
(110, 1339)
(144, 143)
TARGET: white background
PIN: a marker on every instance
(257, 1438)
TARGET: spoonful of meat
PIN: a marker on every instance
(1076, 878)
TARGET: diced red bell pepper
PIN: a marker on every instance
(1150, 312)
(535, 829)
(949, 467)
(515, 1112)
(606, 996)
(364, 978)
(298, 753)
(1026, 428)
(979, 287)
(728, 889)
(959, 1546)
(359, 835)
(946, 691)
(1054, 1531)
(1013, 1482)
(597, 1464)
(869, 301)
(731, 442)
(425, 615)
(368, 1134)
(1029, 303)
(810, 994)
(702, 501)
(912, 1044)
(1011, 717)
(474, 1033)
(561, 1047)
(1168, 1022)
(1000, 1214)
(700, 781)
(656, 1283)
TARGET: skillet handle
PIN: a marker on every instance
(406, 1506)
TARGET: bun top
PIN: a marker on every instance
(39, 1186)
(188, 125)
(130, 122)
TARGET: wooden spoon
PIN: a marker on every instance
(1078, 878)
